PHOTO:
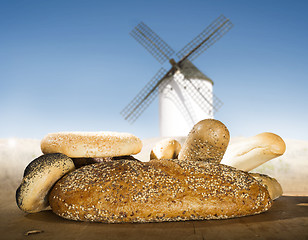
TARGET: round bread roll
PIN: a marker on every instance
(166, 149)
(208, 140)
(156, 191)
(272, 185)
(91, 144)
(254, 151)
(39, 177)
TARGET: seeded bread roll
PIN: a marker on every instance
(166, 149)
(208, 140)
(91, 144)
(254, 151)
(39, 177)
(272, 185)
(156, 191)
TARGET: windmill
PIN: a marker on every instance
(185, 93)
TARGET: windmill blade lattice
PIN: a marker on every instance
(152, 42)
(205, 39)
(202, 96)
(145, 97)
(184, 108)
(162, 52)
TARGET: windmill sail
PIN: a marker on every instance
(145, 97)
(205, 39)
(162, 52)
(202, 95)
(152, 42)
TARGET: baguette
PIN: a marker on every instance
(254, 151)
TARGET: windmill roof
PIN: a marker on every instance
(192, 72)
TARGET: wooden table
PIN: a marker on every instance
(287, 219)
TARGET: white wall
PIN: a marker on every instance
(178, 108)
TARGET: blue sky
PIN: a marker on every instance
(72, 65)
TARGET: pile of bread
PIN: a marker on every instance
(87, 176)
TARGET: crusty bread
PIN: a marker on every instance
(39, 177)
(91, 144)
(166, 149)
(208, 140)
(272, 185)
(155, 191)
(254, 151)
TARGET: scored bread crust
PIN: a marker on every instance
(250, 153)
(91, 144)
(159, 190)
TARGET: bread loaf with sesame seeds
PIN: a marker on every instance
(272, 185)
(208, 140)
(156, 191)
(91, 144)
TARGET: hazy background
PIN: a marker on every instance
(71, 65)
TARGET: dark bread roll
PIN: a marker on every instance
(159, 190)
(80, 162)
(39, 177)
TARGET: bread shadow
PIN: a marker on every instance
(48, 216)
(291, 209)
(45, 216)
(286, 207)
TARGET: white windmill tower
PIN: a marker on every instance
(185, 93)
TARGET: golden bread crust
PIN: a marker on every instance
(166, 149)
(208, 140)
(159, 190)
(272, 185)
(254, 151)
(91, 144)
